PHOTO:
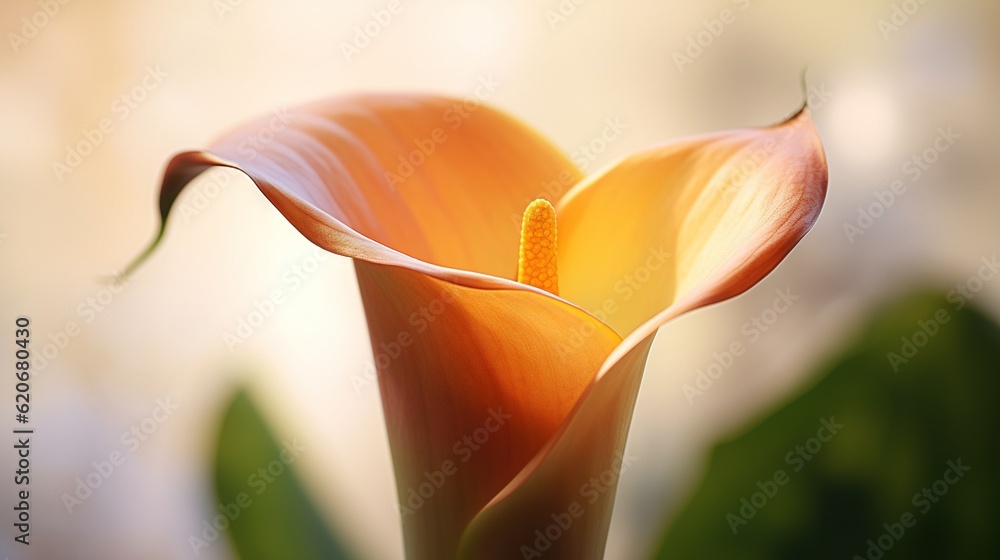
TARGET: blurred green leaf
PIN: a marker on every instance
(272, 517)
(900, 430)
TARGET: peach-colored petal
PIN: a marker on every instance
(644, 233)
(723, 244)
(560, 505)
(658, 234)
(497, 346)
(474, 383)
(395, 179)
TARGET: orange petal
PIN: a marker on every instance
(655, 227)
(474, 383)
(325, 171)
(395, 179)
(504, 345)
(568, 490)
(718, 241)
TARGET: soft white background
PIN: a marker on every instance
(162, 336)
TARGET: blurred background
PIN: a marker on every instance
(132, 381)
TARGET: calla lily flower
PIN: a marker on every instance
(514, 347)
